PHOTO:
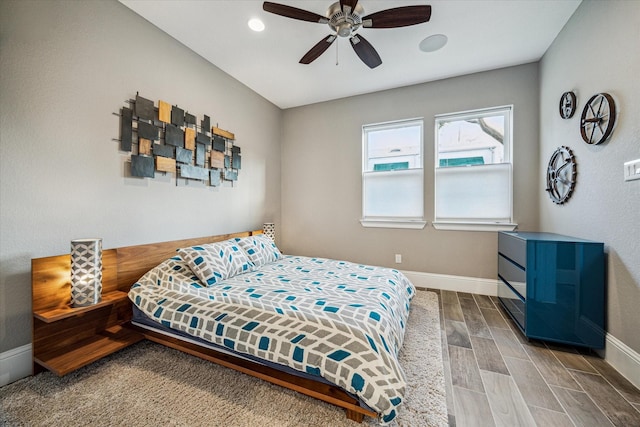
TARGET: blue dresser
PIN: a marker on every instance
(553, 286)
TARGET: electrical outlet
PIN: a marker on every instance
(632, 170)
(398, 259)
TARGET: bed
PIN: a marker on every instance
(330, 329)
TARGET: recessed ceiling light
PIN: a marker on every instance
(433, 43)
(256, 25)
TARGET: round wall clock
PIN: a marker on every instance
(561, 175)
(567, 105)
(598, 118)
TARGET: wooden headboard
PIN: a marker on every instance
(121, 268)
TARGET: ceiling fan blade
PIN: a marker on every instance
(398, 17)
(293, 12)
(351, 4)
(318, 49)
(365, 51)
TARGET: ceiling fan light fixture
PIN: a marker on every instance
(256, 25)
(345, 18)
(433, 42)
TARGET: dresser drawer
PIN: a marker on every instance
(512, 303)
(513, 274)
(513, 248)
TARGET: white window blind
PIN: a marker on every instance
(396, 194)
(474, 193)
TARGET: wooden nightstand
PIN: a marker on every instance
(67, 338)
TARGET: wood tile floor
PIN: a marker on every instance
(495, 377)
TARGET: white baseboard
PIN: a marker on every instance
(446, 282)
(15, 364)
(623, 358)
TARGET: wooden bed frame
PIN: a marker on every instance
(66, 338)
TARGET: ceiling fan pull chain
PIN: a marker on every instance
(337, 52)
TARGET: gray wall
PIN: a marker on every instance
(322, 184)
(598, 52)
(65, 67)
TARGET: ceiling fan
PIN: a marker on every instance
(345, 19)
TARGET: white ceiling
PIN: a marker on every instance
(483, 35)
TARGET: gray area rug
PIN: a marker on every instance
(152, 385)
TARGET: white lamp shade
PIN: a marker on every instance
(269, 230)
(86, 272)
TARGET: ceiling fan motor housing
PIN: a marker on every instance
(344, 24)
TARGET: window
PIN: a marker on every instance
(473, 175)
(392, 175)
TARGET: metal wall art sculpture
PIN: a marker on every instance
(167, 139)
(561, 175)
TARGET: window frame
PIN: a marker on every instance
(411, 222)
(478, 224)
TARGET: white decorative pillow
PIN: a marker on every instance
(260, 249)
(215, 262)
(237, 261)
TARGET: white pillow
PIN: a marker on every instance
(215, 262)
(260, 249)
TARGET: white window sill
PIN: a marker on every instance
(474, 226)
(393, 223)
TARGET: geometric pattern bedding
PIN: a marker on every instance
(335, 319)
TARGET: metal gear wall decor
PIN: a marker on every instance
(598, 118)
(561, 175)
(567, 105)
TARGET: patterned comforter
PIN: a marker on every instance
(335, 319)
